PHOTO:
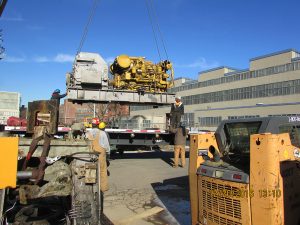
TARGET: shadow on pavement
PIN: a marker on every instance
(174, 194)
(105, 220)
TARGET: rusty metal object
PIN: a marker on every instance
(42, 113)
(88, 171)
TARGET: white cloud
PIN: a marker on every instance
(200, 63)
(13, 59)
(41, 59)
(61, 58)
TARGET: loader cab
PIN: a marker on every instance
(233, 136)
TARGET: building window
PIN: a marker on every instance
(188, 119)
(146, 123)
(209, 121)
(260, 91)
(241, 76)
(242, 117)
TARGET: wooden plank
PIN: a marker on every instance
(142, 215)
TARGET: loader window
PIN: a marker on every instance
(238, 139)
(294, 132)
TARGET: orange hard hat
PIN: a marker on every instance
(95, 121)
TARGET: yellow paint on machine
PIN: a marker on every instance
(8, 161)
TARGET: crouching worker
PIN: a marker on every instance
(100, 144)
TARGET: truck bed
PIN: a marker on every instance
(120, 96)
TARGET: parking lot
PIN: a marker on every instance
(146, 189)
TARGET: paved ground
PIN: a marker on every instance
(146, 189)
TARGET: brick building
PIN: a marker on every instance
(70, 113)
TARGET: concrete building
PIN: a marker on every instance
(270, 87)
(9, 105)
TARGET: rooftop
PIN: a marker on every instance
(217, 68)
(274, 53)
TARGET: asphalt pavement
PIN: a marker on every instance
(146, 189)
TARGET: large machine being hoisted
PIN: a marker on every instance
(135, 80)
(135, 73)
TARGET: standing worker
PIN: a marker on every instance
(177, 111)
(100, 144)
(179, 144)
(56, 95)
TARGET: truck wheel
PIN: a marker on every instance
(86, 196)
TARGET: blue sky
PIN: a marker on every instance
(41, 37)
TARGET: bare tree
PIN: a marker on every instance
(110, 113)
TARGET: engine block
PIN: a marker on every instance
(138, 74)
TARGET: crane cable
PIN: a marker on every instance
(158, 28)
(150, 6)
(86, 29)
(85, 32)
(153, 30)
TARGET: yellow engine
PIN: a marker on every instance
(137, 74)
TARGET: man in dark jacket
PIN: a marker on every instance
(179, 144)
(56, 95)
(177, 110)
